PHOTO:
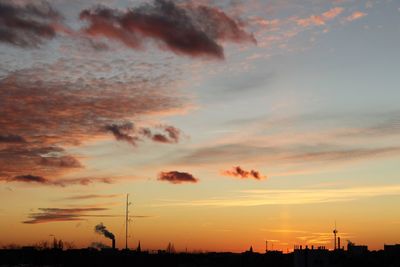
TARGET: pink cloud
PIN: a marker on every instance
(356, 15)
(320, 20)
(332, 13)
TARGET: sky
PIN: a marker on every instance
(228, 123)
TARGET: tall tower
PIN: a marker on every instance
(335, 231)
(126, 221)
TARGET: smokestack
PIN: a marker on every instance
(102, 230)
(338, 241)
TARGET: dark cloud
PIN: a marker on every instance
(183, 29)
(241, 173)
(121, 132)
(11, 138)
(27, 25)
(28, 178)
(176, 177)
(46, 215)
(171, 135)
(128, 133)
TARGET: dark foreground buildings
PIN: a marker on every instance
(301, 257)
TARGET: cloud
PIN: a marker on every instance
(47, 112)
(17, 159)
(47, 215)
(92, 196)
(176, 177)
(183, 29)
(324, 140)
(60, 162)
(356, 15)
(342, 155)
(34, 179)
(251, 198)
(332, 13)
(312, 20)
(172, 135)
(11, 138)
(29, 179)
(243, 174)
(120, 132)
(281, 155)
(319, 20)
(128, 133)
(27, 25)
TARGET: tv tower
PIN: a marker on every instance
(335, 231)
(126, 220)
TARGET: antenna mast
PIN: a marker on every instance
(126, 221)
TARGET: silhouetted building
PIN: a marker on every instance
(354, 249)
(395, 249)
(311, 257)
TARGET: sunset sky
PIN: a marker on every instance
(228, 122)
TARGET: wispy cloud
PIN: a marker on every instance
(285, 155)
(307, 237)
(319, 20)
(283, 231)
(40, 180)
(322, 141)
(92, 196)
(248, 198)
(319, 238)
(47, 215)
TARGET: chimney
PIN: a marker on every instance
(338, 240)
(113, 243)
